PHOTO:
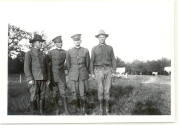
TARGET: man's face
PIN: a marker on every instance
(38, 44)
(102, 39)
(59, 45)
(77, 43)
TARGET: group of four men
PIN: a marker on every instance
(44, 69)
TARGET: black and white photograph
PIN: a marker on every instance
(83, 60)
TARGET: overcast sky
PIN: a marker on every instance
(138, 29)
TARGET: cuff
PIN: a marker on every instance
(29, 78)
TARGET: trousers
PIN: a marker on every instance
(104, 79)
(79, 88)
(37, 90)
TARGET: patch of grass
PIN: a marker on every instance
(128, 97)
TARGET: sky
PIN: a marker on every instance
(138, 29)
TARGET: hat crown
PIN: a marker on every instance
(76, 37)
(57, 39)
(101, 32)
(36, 36)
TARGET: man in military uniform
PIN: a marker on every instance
(103, 66)
(36, 72)
(78, 61)
(57, 58)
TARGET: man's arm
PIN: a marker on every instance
(27, 67)
(68, 60)
(88, 61)
(113, 59)
(92, 61)
(49, 65)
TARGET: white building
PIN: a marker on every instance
(120, 72)
(168, 69)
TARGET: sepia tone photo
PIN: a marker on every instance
(90, 59)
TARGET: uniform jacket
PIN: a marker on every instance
(35, 65)
(56, 58)
(102, 55)
(78, 62)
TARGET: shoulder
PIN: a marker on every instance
(63, 50)
(70, 50)
(95, 47)
(84, 49)
(109, 46)
(52, 50)
(28, 53)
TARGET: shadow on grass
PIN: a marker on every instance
(124, 100)
(146, 108)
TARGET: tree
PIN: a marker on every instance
(119, 62)
(18, 44)
(137, 66)
(15, 35)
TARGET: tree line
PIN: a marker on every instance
(15, 65)
(138, 67)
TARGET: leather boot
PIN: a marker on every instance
(107, 107)
(78, 106)
(57, 107)
(64, 101)
(41, 107)
(100, 107)
(82, 106)
(32, 108)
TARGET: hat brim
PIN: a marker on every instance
(101, 34)
(32, 41)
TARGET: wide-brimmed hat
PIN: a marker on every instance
(76, 37)
(101, 32)
(57, 39)
(37, 38)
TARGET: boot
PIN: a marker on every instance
(41, 107)
(57, 106)
(78, 106)
(107, 107)
(64, 101)
(32, 108)
(82, 106)
(100, 107)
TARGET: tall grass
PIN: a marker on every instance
(128, 97)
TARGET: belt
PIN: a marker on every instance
(78, 65)
(102, 67)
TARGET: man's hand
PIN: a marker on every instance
(48, 82)
(31, 82)
(113, 74)
(93, 76)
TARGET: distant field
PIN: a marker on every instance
(137, 95)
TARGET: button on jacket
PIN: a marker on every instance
(56, 60)
(35, 65)
(78, 61)
(102, 55)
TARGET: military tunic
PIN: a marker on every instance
(78, 62)
(36, 68)
(57, 63)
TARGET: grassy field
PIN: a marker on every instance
(137, 95)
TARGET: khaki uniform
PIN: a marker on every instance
(57, 59)
(78, 61)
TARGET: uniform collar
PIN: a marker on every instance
(35, 49)
(104, 44)
(56, 48)
(77, 47)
